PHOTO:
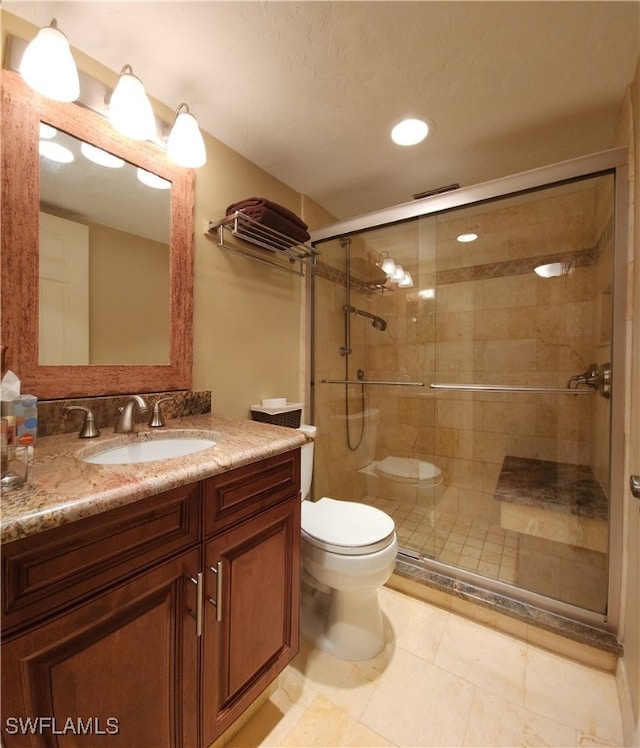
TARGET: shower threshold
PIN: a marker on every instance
(431, 575)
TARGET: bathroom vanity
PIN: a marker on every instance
(156, 601)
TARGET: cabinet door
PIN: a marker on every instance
(121, 669)
(252, 595)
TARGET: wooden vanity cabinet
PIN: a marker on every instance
(122, 667)
(252, 585)
(160, 637)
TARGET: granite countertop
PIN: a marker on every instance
(558, 486)
(62, 488)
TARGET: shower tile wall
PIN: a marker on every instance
(489, 319)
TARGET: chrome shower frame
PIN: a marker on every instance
(613, 161)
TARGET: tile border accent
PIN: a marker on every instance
(556, 624)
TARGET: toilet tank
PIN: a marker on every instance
(306, 461)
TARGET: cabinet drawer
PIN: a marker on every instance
(52, 569)
(230, 497)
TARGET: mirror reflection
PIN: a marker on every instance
(104, 257)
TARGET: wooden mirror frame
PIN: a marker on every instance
(20, 114)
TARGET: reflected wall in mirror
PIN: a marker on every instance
(104, 256)
(21, 209)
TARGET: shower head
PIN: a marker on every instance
(377, 322)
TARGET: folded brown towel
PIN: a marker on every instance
(262, 202)
(270, 219)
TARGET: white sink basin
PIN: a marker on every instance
(149, 450)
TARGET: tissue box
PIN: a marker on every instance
(25, 410)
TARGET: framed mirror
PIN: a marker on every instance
(139, 332)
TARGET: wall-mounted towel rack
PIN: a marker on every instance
(509, 388)
(241, 226)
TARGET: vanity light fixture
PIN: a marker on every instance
(185, 145)
(48, 66)
(55, 152)
(152, 180)
(100, 157)
(410, 132)
(46, 131)
(394, 272)
(406, 281)
(130, 110)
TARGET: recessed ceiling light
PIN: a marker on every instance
(410, 132)
(55, 152)
(470, 237)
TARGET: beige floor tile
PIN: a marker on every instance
(347, 684)
(495, 722)
(417, 704)
(412, 624)
(571, 693)
(325, 724)
(487, 658)
(270, 725)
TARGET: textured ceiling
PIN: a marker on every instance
(309, 90)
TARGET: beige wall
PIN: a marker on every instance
(629, 666)
(247, 322)
(129, 301)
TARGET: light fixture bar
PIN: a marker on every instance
(93, 93)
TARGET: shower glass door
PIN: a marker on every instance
(466, 404)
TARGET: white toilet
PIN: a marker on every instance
(348, 551)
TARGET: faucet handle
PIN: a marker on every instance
(89, 429)
(156, 417)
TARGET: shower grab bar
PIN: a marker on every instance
(510, 388)
(365, 381)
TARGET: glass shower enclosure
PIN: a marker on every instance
(478, 398)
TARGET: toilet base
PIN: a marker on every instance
(347, 625)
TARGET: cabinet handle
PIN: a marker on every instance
(217, 603)
(197, 580)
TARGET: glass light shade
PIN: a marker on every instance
(185, 145)
(410, 132)
(46, 131)
(389, 266)
(152, 180)
(100, 157)
(406, 281)
(55, 152)
(550, 270)
(130, 110)
(398, 274)
(47, 65)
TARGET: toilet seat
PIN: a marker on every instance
(408, 470)
(346, 527)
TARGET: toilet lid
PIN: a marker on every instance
(346, 526)
(408, 469)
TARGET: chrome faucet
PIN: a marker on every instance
(126, 424)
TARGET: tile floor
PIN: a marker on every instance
(442, 680)
(574, 575)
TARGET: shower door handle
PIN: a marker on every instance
(634, 482)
